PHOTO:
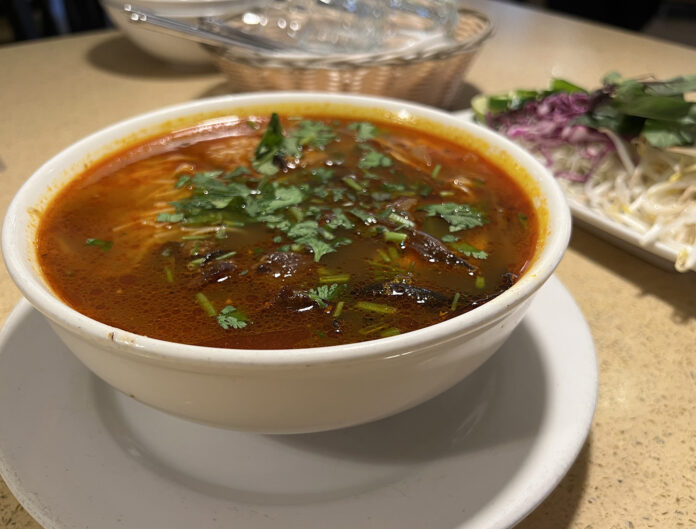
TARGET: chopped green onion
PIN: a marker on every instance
(335, 278)
(480, 282)
(375, 307)
(400, 219)
(338, 309)
(169, 274)
(370, 329)
(206, 305)
(192, 265)
(170, 217)
(391, 331)
(383, 255)
(523, 219)
(446, 193)
(393, 253)
(455, 301)
(225, 256)
(392, 236)
(194, 237)
(436, 170)
(99, 243)
(352, 183)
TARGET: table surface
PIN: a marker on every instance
(638, 467)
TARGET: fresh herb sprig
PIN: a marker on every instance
(652, 109)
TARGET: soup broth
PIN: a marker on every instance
(286, 232)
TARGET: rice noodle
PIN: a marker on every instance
(655, 197)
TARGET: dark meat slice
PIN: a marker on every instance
(434, 250)
(469, 301)
(293, 300)
(422, 296)
(284, 264)
(214, 272)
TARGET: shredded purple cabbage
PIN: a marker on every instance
(548, 123)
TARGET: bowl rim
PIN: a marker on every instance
(17, 246)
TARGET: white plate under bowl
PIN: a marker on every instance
(78, 454)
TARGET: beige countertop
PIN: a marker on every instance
(638, 466)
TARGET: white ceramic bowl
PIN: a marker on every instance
(169, 48)
(298, 390)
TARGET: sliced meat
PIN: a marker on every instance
(293, 300)
(434, 250)
(422, 296)
(284, 264)
(215, 272)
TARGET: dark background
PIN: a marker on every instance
(673, 20)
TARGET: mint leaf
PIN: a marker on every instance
(664, 134)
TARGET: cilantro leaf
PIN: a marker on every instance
(469, 250)
(319, 247)
(270, 145)
(239, 171)
(373, 159)
(231, 318)
(183, 181)
(364, 130)
(325, 293)
(324, 174)
(284, 197)
(339, 220)
(458, 216)
(313, 133)
(306, 228)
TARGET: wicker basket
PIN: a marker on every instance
(431, 77)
